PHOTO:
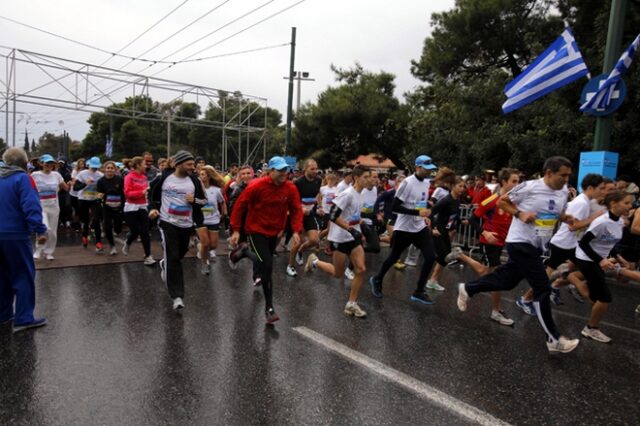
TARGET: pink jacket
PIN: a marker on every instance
(135, 188)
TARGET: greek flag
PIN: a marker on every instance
(602, 98)
(557, 66)
(109, 147)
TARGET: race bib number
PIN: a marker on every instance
(113, 201)
(207, 210)
(545, 225)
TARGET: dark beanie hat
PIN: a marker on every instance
(181, 156)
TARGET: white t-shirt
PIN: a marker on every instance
(369, 197)
(328, 194)
(89, 192)
(579, 208)
(548, 204)
(175, 209)
(342, 186)
(607, 233)
(350, 202)
(210, 210)
(595, 207)
(414, 195)
(48, 185)
(439, 193)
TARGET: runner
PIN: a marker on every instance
(88, 203)
(411, 227)
(266, 203)
(177, 199)
(211, 212)
(48, 183)
(537, 205)
(493, 233)
(111, 192)
(592, 255)
(327, 194)
(136, 188)
(308, 187)
(73, 194)
(346, 237)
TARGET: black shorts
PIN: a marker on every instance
(560, 256)
(492, 254)
(347, 247)
(598, 288)
(215, 227)
(311, 222)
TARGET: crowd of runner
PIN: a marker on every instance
(550, 234)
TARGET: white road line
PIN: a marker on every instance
(567, 314)
(419, 388)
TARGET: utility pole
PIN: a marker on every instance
(287, 140)
(168, 135)
(602, 137)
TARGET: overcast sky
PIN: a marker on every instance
(379, 34)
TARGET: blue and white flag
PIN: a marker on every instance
(602, 98)
(109, 147)
(557, 66)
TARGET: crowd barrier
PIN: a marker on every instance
(466, 236)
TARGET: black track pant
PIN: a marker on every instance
(175, 244)
(139, 223)
(90, 213)
(524, 262)
(264, 247)
(111, 220)
(400, 241)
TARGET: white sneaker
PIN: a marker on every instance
(410, 262)
(149, 261)
(310, 266)
(501, 317)
(113, 251)
(204, 269)
(50, 257)
(299, 258)
(562, 345)
(595, 334)
(125, 249)
(463, 297)
(178, 304)
(291, 271)
(349, 274)
(36, 255)
(212, 254)
(352, 308)
(434, 285)
(454, 255)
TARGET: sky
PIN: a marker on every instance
(379, 34)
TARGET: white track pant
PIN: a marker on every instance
(50, 215)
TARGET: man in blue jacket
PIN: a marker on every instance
(20, 216)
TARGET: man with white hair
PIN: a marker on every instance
(20, 216)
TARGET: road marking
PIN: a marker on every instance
(413, 385)
(567, 314)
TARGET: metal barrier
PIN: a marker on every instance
(466, 236)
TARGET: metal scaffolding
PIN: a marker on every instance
(91, 88)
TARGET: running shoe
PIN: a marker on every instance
(271, 316)
(37, 322)
(595, 334)
(212, 254)
(399, 265)
(410, 262)
(178, 304)
(463, 297)
(125, 249)
(257, 282)
(99, 248)
(149, 261)
(349, 274)
(299, 258)
(291, 271)
(85, 242)
(353, 309)
(575, 293)
(434, 285)
(113, 251)
(376, 286)
(527, 307)
(421, 298)
(36, 255)
(204, 269)
(555, 296)
(310, 266)
(232, 263)
(50, 257)
(562, 345)
(454, 255)
(501, 317)
(163, 271)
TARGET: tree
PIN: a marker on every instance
(26, 142)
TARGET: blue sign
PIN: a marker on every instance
(592, 87)
(604, 163)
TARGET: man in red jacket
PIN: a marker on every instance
(261, 210)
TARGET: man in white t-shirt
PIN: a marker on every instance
(345, 236)
(537, 206)
(411, 205)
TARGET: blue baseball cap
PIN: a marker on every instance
(47, 158)
(425, 162)
(94, 163)
(278, 163)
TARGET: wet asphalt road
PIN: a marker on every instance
(114, 353)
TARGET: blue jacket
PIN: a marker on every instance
(21, 212)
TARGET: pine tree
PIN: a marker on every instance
(26, 141)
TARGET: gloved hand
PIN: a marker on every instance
(357, 235)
